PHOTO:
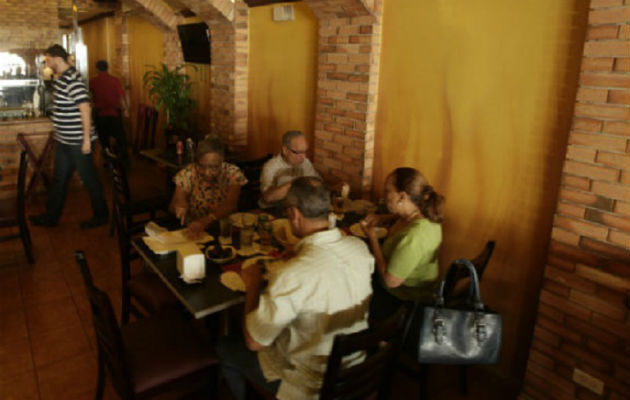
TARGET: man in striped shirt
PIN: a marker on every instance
(74, 135)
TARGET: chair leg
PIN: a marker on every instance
(126, 307)
(423, 380)
(100, 382)
(463, 379)
(25, 236)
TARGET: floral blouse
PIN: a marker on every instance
(203, 195)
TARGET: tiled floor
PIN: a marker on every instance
(47, 346)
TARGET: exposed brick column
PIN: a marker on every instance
(165, 19)
(349, 51)
(582, 323)
(229, 47)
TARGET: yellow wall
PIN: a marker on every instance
(282, 77)
(471, 93)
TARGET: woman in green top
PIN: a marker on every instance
(407, 261)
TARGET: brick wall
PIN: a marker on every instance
(582, 323)
(17, 15)
(347, 84)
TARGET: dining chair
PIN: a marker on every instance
(368, 379)
(250, 193)
(380, 344)
(144, 288)
(161, 354)
(13, 213)
(454, 295)
(145, 128)
(132, 205)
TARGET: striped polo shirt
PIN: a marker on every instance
(69, 92)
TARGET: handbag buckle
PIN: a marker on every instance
(482, 333)
(439, 329)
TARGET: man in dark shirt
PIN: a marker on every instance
(74, 135)
(109, 101)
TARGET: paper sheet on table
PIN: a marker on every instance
(162, 242)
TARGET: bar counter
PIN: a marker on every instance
(10, 150)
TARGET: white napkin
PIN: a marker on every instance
(191, 263)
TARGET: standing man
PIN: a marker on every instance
(109, 102)
(281, 170)
(73, 148)
(289, 327)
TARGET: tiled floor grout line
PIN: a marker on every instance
(28, 335)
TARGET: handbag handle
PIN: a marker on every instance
(474, 294)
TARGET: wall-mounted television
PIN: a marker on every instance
(195, 39)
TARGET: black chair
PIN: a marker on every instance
(146, 126)
(145, 287)
(152, 356)
(132, 206)
(13, 213)
(455, 294)
(381, 344)
(250, 193)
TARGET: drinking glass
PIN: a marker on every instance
(225, 229)
(247, 236)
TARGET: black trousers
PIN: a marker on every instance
(112, 127)
(69, 158)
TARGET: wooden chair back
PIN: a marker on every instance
(146, 126)
(13, 211)
(381, 344)
(109, 341)
(454, 280)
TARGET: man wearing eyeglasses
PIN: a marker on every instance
(279, 172)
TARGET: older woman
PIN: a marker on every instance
(208, 189)
(407, 262)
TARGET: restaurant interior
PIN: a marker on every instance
(518, 113)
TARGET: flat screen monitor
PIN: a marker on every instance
(195, 40)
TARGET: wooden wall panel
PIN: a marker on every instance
(146, 48)
(99, 37)
(478, 96)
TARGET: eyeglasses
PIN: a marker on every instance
(297, 153)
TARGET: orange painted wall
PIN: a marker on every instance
(282, 77)
(478, 96)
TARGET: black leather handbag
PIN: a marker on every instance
(468, 334)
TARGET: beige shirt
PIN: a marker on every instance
(276, 172)
(323, 291)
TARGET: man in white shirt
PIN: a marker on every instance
(281, 170)
(322, 291)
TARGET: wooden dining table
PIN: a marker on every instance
(200, 299)
(208, 296)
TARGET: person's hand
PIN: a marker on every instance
(252, 276)
(368, 224)
(194, 230)
(181, 213)
(86, 146)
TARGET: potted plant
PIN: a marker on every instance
(170, 92)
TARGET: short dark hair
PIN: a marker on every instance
(210, 145)
(309, 195)
(288, 135)
(57, 50)
(102, 65)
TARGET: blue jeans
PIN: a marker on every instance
(238, 363)
(69, 158)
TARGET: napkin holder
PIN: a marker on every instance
(191, 263)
